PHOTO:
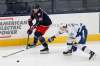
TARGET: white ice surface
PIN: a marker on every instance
(33, 57)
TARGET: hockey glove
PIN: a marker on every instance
(75, 41)
(30, 30)
(51, 39)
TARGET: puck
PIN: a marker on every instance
(17, 61)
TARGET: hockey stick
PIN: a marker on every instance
(5, 56)
(19, 50)
(27, 42)
(13, 53)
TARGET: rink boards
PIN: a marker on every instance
(13, 30)
(60, 39)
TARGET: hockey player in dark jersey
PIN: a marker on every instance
(42, 24)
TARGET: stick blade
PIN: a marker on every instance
(13, 53)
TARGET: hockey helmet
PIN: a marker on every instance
(36, 6)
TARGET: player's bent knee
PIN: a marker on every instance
(74, 48)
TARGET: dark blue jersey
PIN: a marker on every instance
(82, 32)
(41, 18)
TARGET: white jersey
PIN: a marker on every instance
(71, 30)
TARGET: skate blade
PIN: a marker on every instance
(67, 54)
(44, 52)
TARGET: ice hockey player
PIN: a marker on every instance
(77, 36)
(42, 24)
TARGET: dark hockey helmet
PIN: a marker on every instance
(36, 6)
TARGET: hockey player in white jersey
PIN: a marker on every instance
(77, 35)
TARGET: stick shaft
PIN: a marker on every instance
(13, 53)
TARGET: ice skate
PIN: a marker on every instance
(92, 55)
(68, 52)
(44, 51)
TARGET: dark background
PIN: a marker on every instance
(23, 7)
